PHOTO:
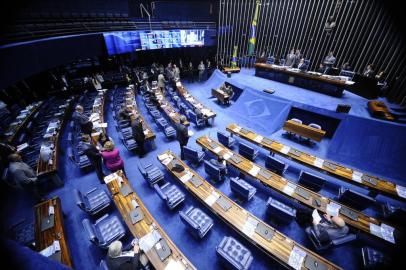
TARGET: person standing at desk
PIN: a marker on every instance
(138, 134)
(290, 58)
(169, 72)
(23, 175)
(94, 156)
(182, 134)
(82, 121)
(329, 60)
(176, 72)
(201, 68)
(161, 82)
(302, 65)
(190, 72)
(369, 71)
(298, 56)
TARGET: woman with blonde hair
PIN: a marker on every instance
(111, 157)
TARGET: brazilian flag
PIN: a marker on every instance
(251, 44)
(234, 58)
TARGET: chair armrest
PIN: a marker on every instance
(89, 229)
(78, 198)
(344, 239)
(159, 191)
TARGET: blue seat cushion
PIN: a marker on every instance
(233, 252)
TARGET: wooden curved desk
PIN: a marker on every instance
(270, 241)
(299, 193)
(379, 110)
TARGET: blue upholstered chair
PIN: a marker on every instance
(197, 121)
(129, 143)
(193, 155)
(104, 231)
(213, 171)
(151, 173)
(171, 194)
(197, 221)
(280, 210)
(355, 199)
(311, 181)
(234, 254)
(242, 188)
(270, 60)
(247, 151)
(347, 73)
(93, 202)
(275, 165)
(324, 245)
(316, 126)
(282, 62)
(225, 140)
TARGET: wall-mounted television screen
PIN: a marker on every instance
(129, 41)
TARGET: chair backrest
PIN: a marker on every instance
(270, 60)
(311, 181)
(313, 125)
(282, 209)
(246, 148)
(223, 138)
(347, 73)
(282, 62)
(190, 152)
(274, 164)
(211, 170)
(355, 199)
(235, 184)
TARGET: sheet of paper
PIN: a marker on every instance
(296, 258)
(22, 146)
(332, 209)
(167, 160)
(289, 188)
(110, 178)
(186, 177)
(387, 233)
(356, 176)
(254, 170)
(258, 138)
(174, 265)
(316, 216)
(190, 133)
(375, 230)
(51, 210)
(163, 156)
(401, 191)
(134, 203)
(249, 226)
(237, 129)
(285, 149)
(103, 125)
(217, 149)
(149, 240)
(227, 155)
(318, 162)
(212, 198)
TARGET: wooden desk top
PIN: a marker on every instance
(304, 130)
(278, 247)
(231, 69)
(307, 75)
(150, 135)
(145, 227)
(208, 113)
(47, 168)
(57, 232)
(295, 191)
(379, 110)
(14, 129)
(351, 175)
(173, 115)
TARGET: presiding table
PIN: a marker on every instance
(304, 130)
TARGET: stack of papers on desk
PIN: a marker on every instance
(52, 249)
(148, 241)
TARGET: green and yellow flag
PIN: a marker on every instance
(251, 44)
(234, 58)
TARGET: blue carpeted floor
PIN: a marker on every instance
(258, 111)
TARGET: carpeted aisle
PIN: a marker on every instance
(253, 109)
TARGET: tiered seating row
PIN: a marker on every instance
(143, 226)
(299, 193)
(351, 175)
(269, 240)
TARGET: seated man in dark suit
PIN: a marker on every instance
(128, 258)
(332, 228)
